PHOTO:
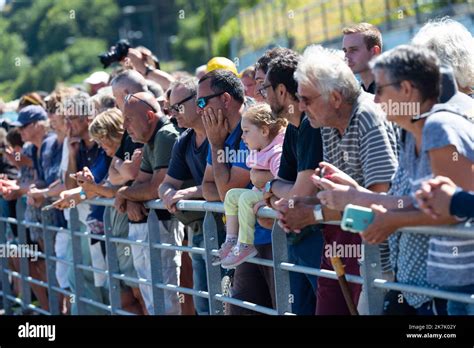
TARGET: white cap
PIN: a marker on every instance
(97, 77)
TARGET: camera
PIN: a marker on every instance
(115, 54)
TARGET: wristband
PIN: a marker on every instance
(318, 213)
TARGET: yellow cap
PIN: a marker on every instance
(221, 63)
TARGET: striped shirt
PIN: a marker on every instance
(367, 151)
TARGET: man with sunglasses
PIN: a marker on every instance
(146, 123)
(185, 174)
(220, 100)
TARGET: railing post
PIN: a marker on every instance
(213, 272)
(48, 237)
(112, 263)
(77, 259)
(371, 269)
(282, 277)
(24, 266)
(158, 294)
(3, 267)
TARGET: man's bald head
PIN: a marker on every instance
(141, 114)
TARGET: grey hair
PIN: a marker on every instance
(326, 70)
(190, 84)
(132, 80)
(416, 64)
(103, 102)
(155, 88)
(453, 44)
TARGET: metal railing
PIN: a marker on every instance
(374, 285)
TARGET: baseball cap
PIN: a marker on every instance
(29, 114)
(97, 77)
(221, 63)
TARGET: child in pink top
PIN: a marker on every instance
(263, 134)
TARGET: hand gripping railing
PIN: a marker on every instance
(374, 285)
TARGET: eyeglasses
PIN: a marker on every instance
(202, 102)
(305, 100)
(176, 107)
(378, 89)
(263, 90)
(129, 96)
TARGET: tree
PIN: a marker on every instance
(83, 54)
(12, 54)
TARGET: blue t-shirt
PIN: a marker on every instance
(238, 158)
(47, 164)
(98, 162)
(230, 156)
(443, 129)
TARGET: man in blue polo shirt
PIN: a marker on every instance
(220, 99)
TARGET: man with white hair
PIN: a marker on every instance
(356, 139)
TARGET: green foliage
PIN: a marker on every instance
(83, 54)
(223, 36)
(45, 75)
(191, 45)
(63, 40)
(12, 54)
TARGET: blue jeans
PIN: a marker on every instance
(303, 287)
(201, 304)
(461, 308)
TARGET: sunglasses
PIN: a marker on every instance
(129, 96)
(176, 107)
(202, 102)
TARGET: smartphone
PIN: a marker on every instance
(356, 219)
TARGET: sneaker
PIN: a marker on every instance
(225, 249)
(240, 253)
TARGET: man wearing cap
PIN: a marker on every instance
(221, 63)
(46, 155)
(96, 81)
(32, 123)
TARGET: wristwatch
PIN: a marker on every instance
(318, 213)
(268, 186)
(82, 194)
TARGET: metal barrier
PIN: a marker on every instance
(374, 285)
